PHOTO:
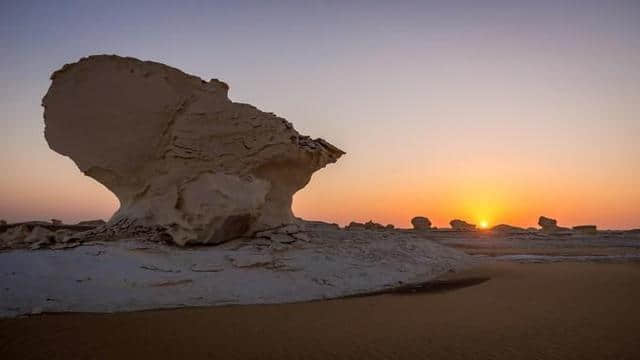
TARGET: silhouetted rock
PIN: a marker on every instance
(547, 223)
(550, 225)
(504, 228)
(56, 222)
(460, 225)
(421, 223)
(586, 229)
(182, 158)
(354, 226)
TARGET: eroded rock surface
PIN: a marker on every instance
(315, 261)
(182, 158)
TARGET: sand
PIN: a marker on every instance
(524, 311)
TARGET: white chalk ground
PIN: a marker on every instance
(129, 275)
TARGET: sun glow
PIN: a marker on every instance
(484, 224)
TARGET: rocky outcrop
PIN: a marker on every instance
(369, 225)
(183, 159)
(39, 234)
(509, 229)
(549, 225)
(586, 229)
(299, 262)
(98, 222)
(421, 223)
(460, 225)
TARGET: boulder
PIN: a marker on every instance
(421, 223)
(56, 222)
(182, 158)
(3, 222)
(460, 225)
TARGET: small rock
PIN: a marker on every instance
(56, 222)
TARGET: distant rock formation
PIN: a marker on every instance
(421, 223)
(550, 225)
(504, 228)
(460, 225)
(586, 229)
(183, 159)
(98, 222)
(369, 225)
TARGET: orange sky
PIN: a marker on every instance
(501, 112)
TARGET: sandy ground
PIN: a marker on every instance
(524, 311)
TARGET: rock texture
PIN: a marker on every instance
(460, 225)
(421, 223)
(300, 262)
(182, 158)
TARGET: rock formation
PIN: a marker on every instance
(369, 225)
(460, 225)
(505, 228)
(586, 229)
(98, 222)
(421, 223)
(182, 158)
(549, 225)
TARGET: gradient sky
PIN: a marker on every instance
(481, 110)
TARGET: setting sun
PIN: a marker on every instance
(484, 224)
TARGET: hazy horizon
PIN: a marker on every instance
(498, 112)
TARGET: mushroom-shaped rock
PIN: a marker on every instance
(421, 223)
(460, 225)
(180, 156)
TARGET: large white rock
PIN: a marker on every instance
(180, 156)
